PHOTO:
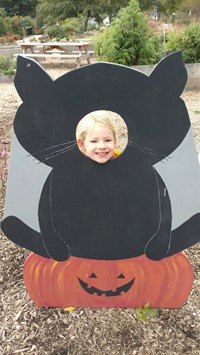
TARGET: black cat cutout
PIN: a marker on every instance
(121, 209)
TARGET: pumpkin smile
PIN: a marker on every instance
(119, 290)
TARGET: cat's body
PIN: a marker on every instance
(97, 209)
(116, 210)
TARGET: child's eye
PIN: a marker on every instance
(108, 140)
(93, 141)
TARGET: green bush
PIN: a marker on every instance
(127, 40)
(2, 27)
(73, 25)
(7, 65)
(56, 31)
(188, 41)
(155, 49)
(2, 12)
(14, 25)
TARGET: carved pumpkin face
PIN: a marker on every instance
(108, 283)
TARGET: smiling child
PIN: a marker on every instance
(97, 136)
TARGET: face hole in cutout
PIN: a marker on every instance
(102, 135)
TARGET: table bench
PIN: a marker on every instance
(58, 50)
(77, 57)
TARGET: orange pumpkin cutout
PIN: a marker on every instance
(128, 283)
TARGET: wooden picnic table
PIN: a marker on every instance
(78, 50)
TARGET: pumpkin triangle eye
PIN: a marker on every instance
(121, 276)
(92, 276)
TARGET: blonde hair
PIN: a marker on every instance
(88, 122)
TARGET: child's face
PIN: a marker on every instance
(98, 144)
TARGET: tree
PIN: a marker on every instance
(89, 8)
(127, 39)
(112, 7)
(146, 4)
(19, 7)
(2, 24)
(191, 6)
(50, 11)
(168, 6)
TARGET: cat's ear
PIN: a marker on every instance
(170, 75)
(34, 120)
(31, 80)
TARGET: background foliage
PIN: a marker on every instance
(128, 39)
(187, 41)
(7, 65)
(19, 7)
(135, 35)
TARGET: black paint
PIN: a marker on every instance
(120, 209)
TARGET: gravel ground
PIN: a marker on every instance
(27, 329)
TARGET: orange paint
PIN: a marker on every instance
(163, 284)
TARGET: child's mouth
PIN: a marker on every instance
(102, 154)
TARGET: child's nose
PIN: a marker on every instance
(101, 144)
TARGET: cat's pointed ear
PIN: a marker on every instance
(170, 75)
(31, 80)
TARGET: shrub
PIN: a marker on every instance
(7, 65)
(2, 12)
(127, 40)
(9, 38)
(14, 25)
(56, 31)
(73, 25)
(2, 27)
(155, 49)
(188, 41)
